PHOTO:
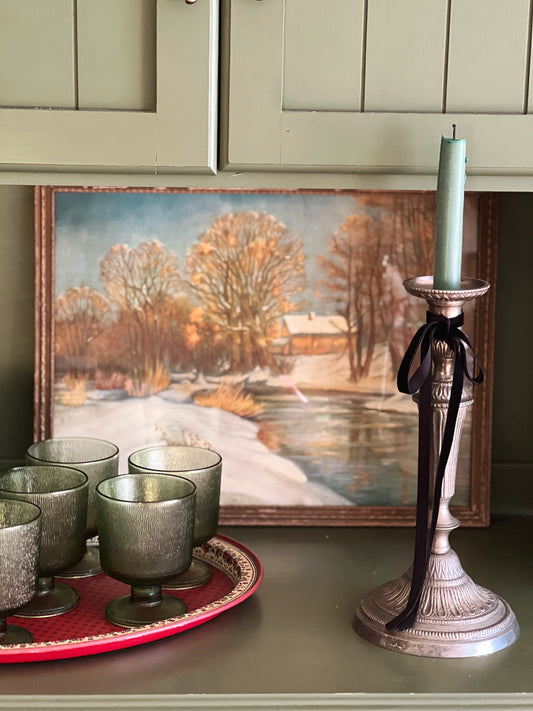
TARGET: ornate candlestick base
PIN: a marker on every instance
(456, 617)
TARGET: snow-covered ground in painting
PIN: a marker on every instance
(252, 474)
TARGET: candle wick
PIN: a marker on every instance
(453, 130)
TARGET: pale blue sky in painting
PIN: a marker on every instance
(87, 224)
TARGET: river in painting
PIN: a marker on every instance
(366, 455)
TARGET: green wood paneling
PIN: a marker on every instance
(117, 54)
(37, 53)
(253, 83)
(405, 55)
(316, 75)
(488, 56)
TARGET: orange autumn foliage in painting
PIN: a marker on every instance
(219, 312)
(221, 309)
(247, 270)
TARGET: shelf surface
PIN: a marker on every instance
(292, 644)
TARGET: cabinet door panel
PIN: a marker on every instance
(148, 104)
(423, 70)
(37, 53)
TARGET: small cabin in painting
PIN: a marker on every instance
(310, 334)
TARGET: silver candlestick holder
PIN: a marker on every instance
(455, 617)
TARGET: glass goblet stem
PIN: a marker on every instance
(146, 594)
(45, 585)
(13, 634)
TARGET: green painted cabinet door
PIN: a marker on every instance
(108, 86)
(369, 86)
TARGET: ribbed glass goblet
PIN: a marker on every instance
(146, 525)
(98, 459)
(20, 533)
(204, 468)
(61, 494)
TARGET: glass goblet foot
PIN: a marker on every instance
(146, 604)
(52, 599)
(88, 566)
(199, 573)
(13, 634)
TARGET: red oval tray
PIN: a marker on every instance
(237, 573)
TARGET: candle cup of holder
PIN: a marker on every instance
(61, 494)
(455, 617)
(146, 525)
(20, 533)
(98, 459)
(204, 468)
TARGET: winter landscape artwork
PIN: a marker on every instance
(267, 325)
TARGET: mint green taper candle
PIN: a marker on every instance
(450, 202)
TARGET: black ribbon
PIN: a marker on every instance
(436, 328)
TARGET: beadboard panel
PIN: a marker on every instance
(316, 77)
(37, 53)
(117, 54)
(405, 55)
(488, 56)
(254, 61)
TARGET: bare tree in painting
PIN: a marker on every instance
(246, 271)
(390, 236)
(79, 319)
(411, 228)
(353, 269)
(145, 286)
(408, 222)
(80, 314)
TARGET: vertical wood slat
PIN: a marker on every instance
(488, 61)
(323, 55)
(187, 82)
(405, 55)
(117, 54)
(528, 98)
(254, 81)
(36, 54)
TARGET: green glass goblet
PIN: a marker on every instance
(98, 459)
(61, 494)
(20, 533)
(204, 468)
(146, 525)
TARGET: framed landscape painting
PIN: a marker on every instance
(267, 325)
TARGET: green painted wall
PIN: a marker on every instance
(513, 390)
(16, 321)
(512, 487)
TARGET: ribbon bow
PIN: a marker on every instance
(436, 328)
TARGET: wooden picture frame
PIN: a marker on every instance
(74, 243)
